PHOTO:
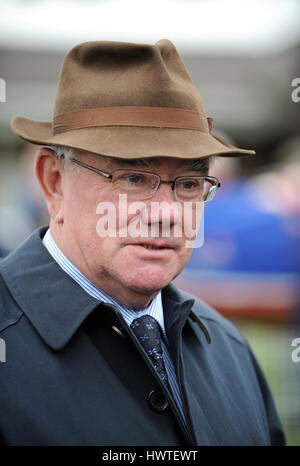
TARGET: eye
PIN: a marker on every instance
(130, 180)
(189, 184)
(134, 178)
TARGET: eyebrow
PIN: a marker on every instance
(201, 165)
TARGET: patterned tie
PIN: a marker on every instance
(146, 328)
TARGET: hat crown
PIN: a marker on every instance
(107, 74)
(127, 100)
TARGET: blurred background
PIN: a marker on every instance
(245, 60)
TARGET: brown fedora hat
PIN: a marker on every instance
(127, 100)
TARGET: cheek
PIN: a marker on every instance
(114, 217)
(81, 202)
(187, 255)
(192, 219)
(184, 253)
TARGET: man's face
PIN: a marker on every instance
(125, 266)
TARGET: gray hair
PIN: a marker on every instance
(66, 153)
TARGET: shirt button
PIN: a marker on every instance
(157, 400)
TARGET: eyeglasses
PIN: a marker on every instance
(143, 185)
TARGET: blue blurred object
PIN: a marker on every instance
(241, 236)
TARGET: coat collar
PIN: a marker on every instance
(53, 302)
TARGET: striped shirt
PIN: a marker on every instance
(155, 309)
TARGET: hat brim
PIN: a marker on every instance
(129, 142)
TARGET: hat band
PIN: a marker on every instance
(161, 117)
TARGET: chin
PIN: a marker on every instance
(150, 282)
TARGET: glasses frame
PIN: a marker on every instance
(215, 182)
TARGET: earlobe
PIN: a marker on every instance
(59, 218)
(49, 171)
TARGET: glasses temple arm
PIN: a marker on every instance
(96, 170)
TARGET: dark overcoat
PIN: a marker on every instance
(75, 374)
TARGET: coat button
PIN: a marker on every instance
(157, 400)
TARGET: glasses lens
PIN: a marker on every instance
(136, 184)
(195, 188)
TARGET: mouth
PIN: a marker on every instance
(151, 246)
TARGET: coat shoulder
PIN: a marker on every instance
(213, 319)
(13, 269)
(9, 310)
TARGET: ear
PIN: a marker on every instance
(49, 170)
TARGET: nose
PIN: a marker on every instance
(162, 208)
(164, 192)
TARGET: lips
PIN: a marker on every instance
(149, 246)
(154, 245)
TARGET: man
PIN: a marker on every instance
(101, 348)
